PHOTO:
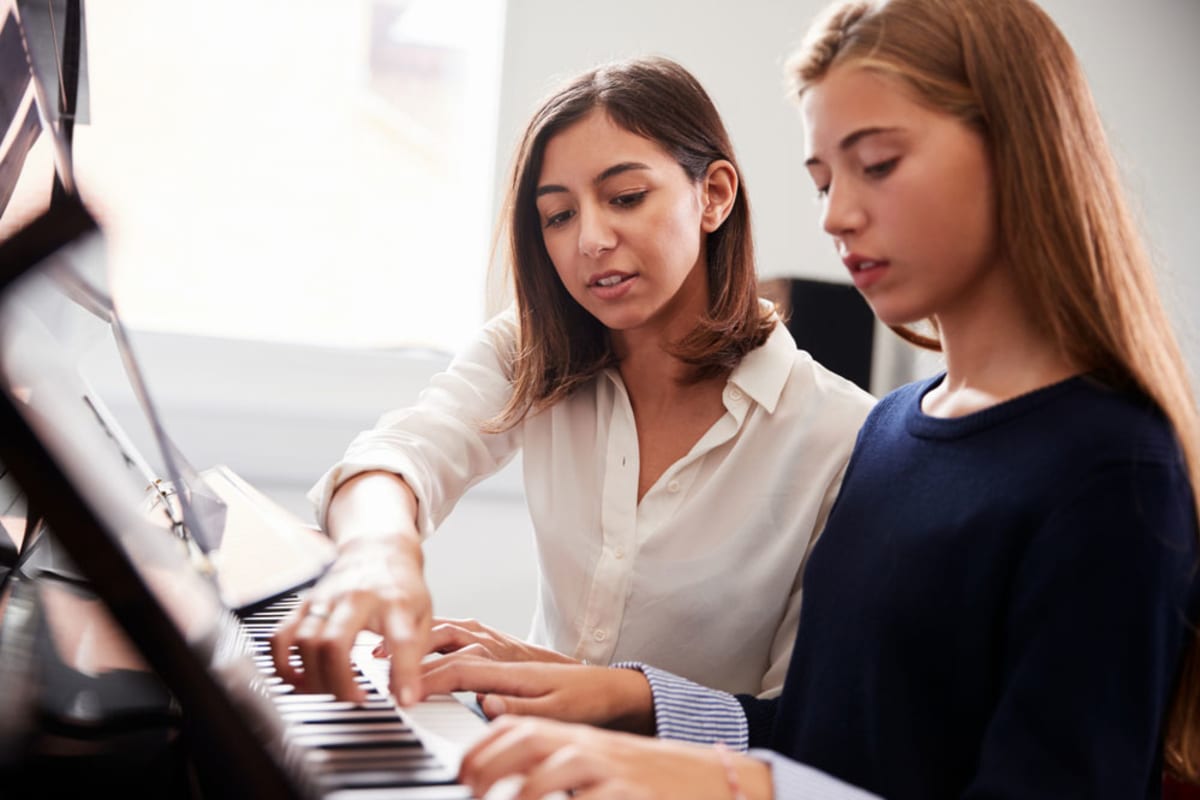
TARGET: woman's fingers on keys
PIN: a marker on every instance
(407, 645)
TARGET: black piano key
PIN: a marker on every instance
(382, 728)
(333, 759)
(349, 767)
(381, 778)
(353, 739)
(441, 792)
(356, 716)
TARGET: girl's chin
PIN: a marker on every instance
(893, 315)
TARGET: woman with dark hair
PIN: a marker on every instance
(680, 454)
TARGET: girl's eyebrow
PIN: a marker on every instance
(615, 169)
(853, 138)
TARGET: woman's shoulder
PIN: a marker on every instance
(814, 396)
(503, 326)
(495, 343)
(804, 375)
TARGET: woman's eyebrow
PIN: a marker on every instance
(615, 169)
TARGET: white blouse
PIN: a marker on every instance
(702, 577)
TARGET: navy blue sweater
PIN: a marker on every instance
(997, 606)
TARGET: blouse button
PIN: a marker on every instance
(673, 487)
(735, 393)
(599, 635)
(619, 553)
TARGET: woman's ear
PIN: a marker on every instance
(720, 192)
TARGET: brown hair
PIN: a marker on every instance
(1003, 67)
(560, 345)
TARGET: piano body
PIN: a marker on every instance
(133, 640)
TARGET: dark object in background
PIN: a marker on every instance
(831, 321)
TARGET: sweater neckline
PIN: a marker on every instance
(921, 424)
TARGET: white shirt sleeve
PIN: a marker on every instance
(438, 445)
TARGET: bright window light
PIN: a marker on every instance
(294, 170)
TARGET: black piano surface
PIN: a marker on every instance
(82, 712)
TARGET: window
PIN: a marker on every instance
(293, 170)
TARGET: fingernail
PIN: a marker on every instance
(493, 706)
(407, 696)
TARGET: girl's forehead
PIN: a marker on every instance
(851, 98)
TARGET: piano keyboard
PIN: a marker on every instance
(369, 750)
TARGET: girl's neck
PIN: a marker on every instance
(994, 351)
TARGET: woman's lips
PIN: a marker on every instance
(612, 285)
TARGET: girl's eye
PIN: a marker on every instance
(561, 218)
(881, 168)
(629, 199)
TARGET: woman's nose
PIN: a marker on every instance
(596, 236)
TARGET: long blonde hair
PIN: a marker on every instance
(1004, 68)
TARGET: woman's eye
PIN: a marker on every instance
(561, 218)
(881, 168)
(822, 191)
(629, 199)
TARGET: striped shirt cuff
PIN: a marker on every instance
(792, 780)
(688, 712)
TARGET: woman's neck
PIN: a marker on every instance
(648, 368)
(649, 371)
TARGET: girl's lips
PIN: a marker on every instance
(866, 272)
(856, 262)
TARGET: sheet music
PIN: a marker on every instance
(203, 513)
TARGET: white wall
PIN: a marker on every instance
(1142, 61)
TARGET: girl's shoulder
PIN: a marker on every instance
(1119, 423)
(1080, 416)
